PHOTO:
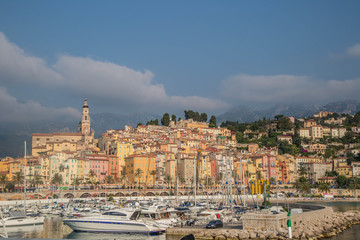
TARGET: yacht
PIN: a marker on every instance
(20, 219)
(114, 221)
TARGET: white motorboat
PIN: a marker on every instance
(20, 219)
(113, 221)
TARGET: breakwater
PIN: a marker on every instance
(316, 223)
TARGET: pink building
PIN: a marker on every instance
(99, 164)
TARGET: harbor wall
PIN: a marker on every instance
(266, 221)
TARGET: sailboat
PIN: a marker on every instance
(19, 218)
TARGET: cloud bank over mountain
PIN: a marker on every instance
(287, 88)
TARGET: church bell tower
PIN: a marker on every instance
(84, 124)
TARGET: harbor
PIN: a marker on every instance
(178, 219)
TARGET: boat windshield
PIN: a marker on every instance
(115, 214)
(135, 215)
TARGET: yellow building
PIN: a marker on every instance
(170, 169)
(140, 169)
(122, 150)
(204, 166)
(344, 170)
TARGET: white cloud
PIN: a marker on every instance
(17, 66)
(97, 80)
(280, 88)
(13, 110)
(354, 51)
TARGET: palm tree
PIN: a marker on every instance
(18, 178)
(182, 181)
(272, 181)
(168, 180)
(353, 184)
(3, 180)
(76, 182)
(138, 174)
(302, 186)
(37, 180)
(153, 173)
(123, 176)
(57, 179)
(92, 175)
(109, 179)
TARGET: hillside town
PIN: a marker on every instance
(319, 152)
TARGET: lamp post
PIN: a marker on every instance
(106, 200)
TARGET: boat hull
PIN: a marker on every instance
(109, 226)
(15, 222)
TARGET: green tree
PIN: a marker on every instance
(277, 117)
(254, 127)
(173, 118)
(165, 120)
(353, 184)
(212, 122)
(57, 179)
(341, 181)
(3, 180)
(153, 174)
(123, 176)
(302, 186)
(302, 171)
(10, 186)
(324, 187)
(92, 176)
(37, 180)
(138, 174)
(153, 122)
(109, 179)
(285, 124)
(197, 117)
(18, 178)
(76, 182)
(356, 119)
(168, 180)
(189, 114)
(203, 117)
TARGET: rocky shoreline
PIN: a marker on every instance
(330, 226)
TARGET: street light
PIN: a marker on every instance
(105, 173)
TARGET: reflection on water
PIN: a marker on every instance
(106, 236)
(338, 206)
(54, 228)
(349, 234)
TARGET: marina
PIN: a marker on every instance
(156, 215)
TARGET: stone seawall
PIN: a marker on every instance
(266, 221)
(318, 224)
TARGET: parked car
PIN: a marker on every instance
(215, 224)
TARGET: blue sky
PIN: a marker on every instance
(157, 56)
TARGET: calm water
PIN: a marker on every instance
(349, 234)
(53, 228)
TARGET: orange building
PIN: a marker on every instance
(140, 169)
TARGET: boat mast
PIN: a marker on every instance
(25, 181)
(195, 182)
